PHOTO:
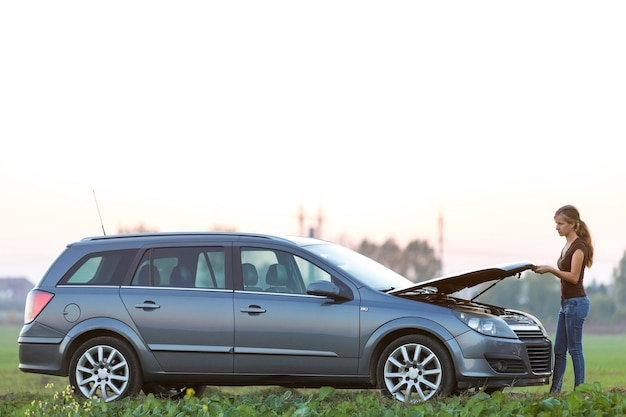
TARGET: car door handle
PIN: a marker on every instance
(253, 310)
(148, 305)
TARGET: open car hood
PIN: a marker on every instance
(452, 283)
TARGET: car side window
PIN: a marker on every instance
(182, 267)
(211, 268)
(277, 271)
(101, 268)
(311, 272)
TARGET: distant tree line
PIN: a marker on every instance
(540, 295)
(536, 294)
(417, 261)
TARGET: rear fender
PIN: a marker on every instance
(104, 325)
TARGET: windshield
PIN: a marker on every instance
(359, 267)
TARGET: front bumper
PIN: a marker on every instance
(497, 362)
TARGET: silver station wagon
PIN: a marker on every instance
(169, 311)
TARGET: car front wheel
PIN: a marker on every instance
(415, 368)
(105, 368)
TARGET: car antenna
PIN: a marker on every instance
(99, 215)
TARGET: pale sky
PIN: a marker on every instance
(383, 114)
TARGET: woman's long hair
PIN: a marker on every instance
(571, 215)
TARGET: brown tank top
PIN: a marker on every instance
(569, 290)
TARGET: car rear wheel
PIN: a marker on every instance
(415, 368)
(172, 393)
(105, 368)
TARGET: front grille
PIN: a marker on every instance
(531, 333)
(540, 357)
(538, 348)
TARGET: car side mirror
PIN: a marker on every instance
(324, 289)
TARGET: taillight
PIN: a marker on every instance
(36, 301)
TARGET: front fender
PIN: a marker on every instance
(405, 325)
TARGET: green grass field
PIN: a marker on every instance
(605, 357)
(11, 378)
(605, 363)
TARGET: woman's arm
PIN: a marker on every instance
(568, 276)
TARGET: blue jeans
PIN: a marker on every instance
(569, 335)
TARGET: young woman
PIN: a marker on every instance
(575, 256)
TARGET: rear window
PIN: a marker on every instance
(100, 268)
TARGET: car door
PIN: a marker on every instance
(181, 301)
(279, 329)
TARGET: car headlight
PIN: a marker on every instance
(485, 324)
